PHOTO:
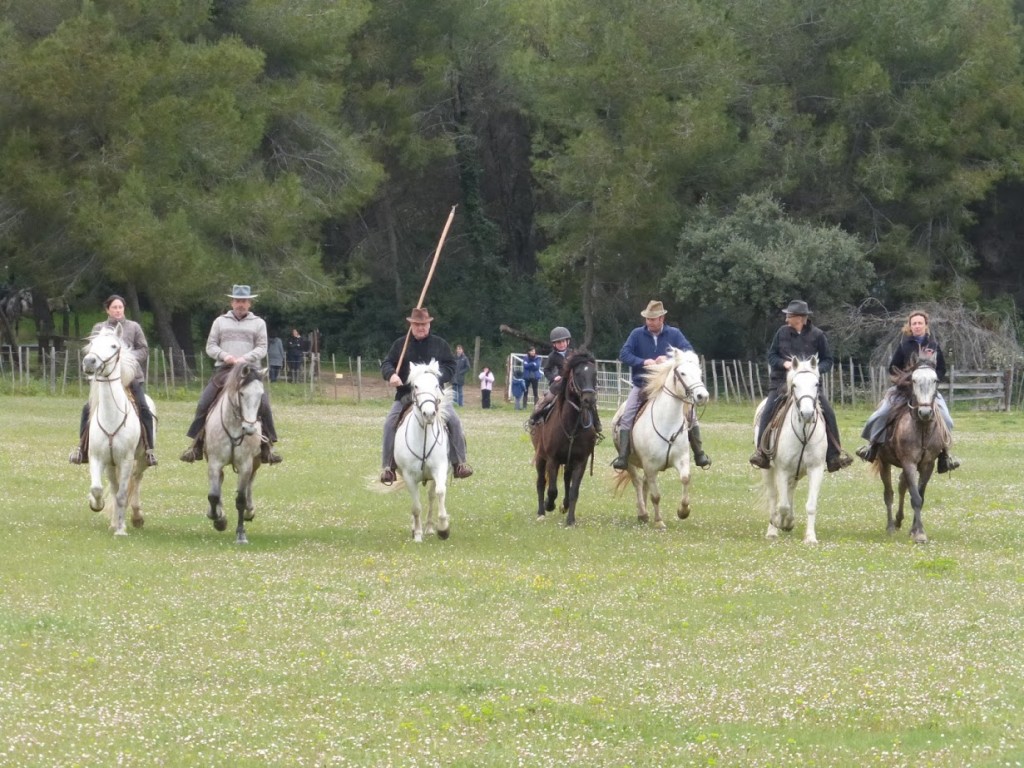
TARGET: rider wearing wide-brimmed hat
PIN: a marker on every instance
(801, 339)
(420, 346)
(237, 336)
(647, 345)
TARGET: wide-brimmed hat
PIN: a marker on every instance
(797, 307)
(654, 309)
(242, 292)
(420, 315)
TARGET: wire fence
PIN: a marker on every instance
(733, 381)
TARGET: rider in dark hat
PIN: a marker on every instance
(799, 338)
(422, 347)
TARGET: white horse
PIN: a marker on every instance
(233, 439)
(661, 430)
(421, 448)
(797, 448)
(116, 447)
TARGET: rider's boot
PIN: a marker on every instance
(700, 458)
(268, 455)
(868, 452)
(622, 460)
(760, 459)
(947, 463)
(194, 451)
(147, 428)
(80, 454)
(836, 458)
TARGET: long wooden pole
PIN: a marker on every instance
(430, 276)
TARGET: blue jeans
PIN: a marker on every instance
(457, 392)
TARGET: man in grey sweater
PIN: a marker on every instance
(237, 336)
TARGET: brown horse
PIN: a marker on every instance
(913, 443)
(568, 436)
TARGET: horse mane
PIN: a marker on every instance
(658, 374)
(581, 355)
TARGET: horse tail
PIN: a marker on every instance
(622, 479)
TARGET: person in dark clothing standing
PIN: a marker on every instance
(423, 346)
(531, 372)
(296, 349)
(801, 339)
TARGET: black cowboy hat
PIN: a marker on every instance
(797, 307)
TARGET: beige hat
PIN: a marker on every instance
(654, 309)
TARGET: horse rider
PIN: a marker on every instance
(560, 339)
(917, 342)
(799, 338)
(646, 345)
(236, 337)
(134, 340)
(420, 346)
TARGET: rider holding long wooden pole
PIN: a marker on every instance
(419, 345)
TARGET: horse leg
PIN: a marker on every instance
(684, 477)
(573, 478)
(640, 488)
(786, 506)
(542, 475)
(95, 481)
(903, 485)
(885, 472)
(242, 502)
(814, 478)
(552, 485)
(443, 524)
(417, 508)
(917, 502)
(216, 511)
(122, 477)
(655, 489)
(428, 529)
(772, 500)
(135, 495)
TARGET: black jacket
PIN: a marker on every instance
(906, 354)
(788, 343)
(431, 348)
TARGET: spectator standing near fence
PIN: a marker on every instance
(532, 372)
(486, 385)
(461, 369)
(296, 351)
(275, 356)
(519, 392)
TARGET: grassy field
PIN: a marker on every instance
(333, 640)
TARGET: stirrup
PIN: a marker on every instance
(268, 455)
(840, 461)
(150, 458)
(76, 456)
(462, 470)
(191, 454)
(867, 452)
(702, 460)
(760, 459)
(387, 476)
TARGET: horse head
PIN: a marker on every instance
(924, 385)
(103, 352)
(802, 382)
(580, 375)
(427, 394)
(244, 387)
(688, 375)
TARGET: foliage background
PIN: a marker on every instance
(599, 156)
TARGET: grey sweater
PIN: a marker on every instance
(246, 338)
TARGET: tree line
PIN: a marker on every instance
(723, 156)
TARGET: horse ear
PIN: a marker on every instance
(814, 362)
(263, 372)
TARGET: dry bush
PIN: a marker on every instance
(970, 339)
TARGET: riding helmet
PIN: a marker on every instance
(560, 334)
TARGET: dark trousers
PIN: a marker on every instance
(530, 384)
(485, 398)
(831, 425)
(209, 396)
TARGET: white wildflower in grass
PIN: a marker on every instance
(333, 640)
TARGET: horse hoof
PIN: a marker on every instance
(417, 537)
(120, 532)
(249, 516)
(772, 534)
(444, 534)
(221, 524)
(138, 522)
(810, 541)
(241, 539)
(683, 513)
(919, 537)
(643, 519)
(660, 526)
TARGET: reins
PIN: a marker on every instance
(109, 379)
(419, 399)
(687, 398)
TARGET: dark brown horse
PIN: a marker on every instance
(568, 436)
(913, 442)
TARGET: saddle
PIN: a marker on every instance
(765, 439)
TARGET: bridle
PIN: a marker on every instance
(420, 398)
(104, 375)
(688, 397)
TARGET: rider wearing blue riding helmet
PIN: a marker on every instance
(801, 339)
(915, 340)
(646, 345)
